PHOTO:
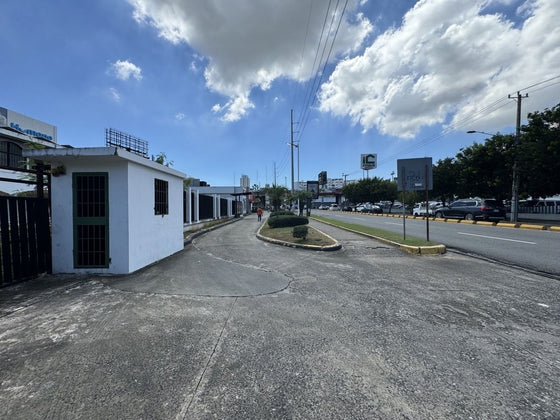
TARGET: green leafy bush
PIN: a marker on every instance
(282, 213)
(300, 231)
(287, 221)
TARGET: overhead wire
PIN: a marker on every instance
(322, 73)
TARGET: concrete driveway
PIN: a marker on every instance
(233, 327)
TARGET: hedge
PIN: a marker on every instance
(286, 221)
(282, 213)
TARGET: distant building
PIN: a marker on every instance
(245, 182)
(18, 133)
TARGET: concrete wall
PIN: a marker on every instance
(62, 218)
(153, 237)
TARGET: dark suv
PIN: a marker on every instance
(471, 209)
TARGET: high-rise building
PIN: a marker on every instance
(245, 182)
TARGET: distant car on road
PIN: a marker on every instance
(472, 209)
(368, 208)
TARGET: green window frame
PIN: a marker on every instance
(90, 193)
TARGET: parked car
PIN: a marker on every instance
(420, 208)
(334, 207)
(368, 208)
(471, 209)
(323, 207)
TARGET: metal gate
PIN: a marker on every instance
(25, 238)
(25, 234)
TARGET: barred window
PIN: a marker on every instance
(11, 155)
(161, 199)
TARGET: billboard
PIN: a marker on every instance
(313, 188)
(414, 174)
(369, 161)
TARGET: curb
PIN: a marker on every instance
(517, 225)
(200, 232)
(417, 250)
(334, 247)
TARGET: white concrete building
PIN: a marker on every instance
(112, 210)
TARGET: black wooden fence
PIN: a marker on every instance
(25, 238)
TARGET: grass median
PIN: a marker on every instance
(314, 237)
(379, 233)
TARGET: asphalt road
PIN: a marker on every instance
(367, 332)
(531, 249)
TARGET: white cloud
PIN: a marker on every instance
(447, 60)
(180, 116)
(124, 70)
(249, 44)
(114, 94)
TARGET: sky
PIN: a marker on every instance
(222, 87)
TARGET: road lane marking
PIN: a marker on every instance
(499, 239)
(392, 223)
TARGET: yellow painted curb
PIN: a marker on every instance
(485, 223)
(554, 228)
(508, 225)
(533, 227)
(468, 222)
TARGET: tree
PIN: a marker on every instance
(161, 158)
(538, 154)
(276, 195)
(445, 179)
(485, 170)
(370, 190)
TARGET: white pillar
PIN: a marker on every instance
(188, 204)
(216, 206)
(197, 206)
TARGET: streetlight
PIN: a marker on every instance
(515, 181)
(481, 132)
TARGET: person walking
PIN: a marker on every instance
(259, 213)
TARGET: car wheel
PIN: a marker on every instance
(468, 216)
(438, 215)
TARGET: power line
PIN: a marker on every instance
(304, 122)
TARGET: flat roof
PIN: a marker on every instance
(62, 155)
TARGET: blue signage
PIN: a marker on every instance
(33, 133)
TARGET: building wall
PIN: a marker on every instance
(152, 237)
(63, 223)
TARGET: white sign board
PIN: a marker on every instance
(369, 161)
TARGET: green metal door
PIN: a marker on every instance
(90, 192)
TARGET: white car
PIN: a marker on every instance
(334, 207)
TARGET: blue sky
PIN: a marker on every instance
(211, 84)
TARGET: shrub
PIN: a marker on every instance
(300, 231)
(286, 221)
(282, 213)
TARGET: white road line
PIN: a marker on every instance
(392, 223)
(499, 239)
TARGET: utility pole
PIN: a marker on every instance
(515, 175)
(345, 175)
(292, 144)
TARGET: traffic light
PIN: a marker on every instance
(322, 177)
